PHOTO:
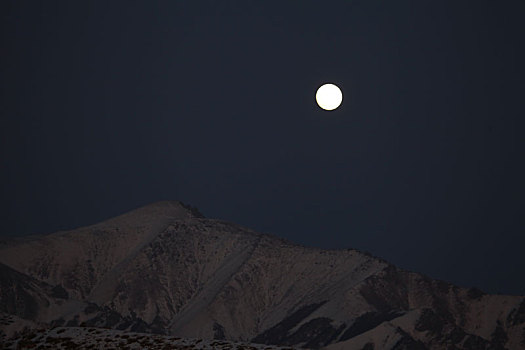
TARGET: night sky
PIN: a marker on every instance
(110, 105)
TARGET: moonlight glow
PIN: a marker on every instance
(329, 97)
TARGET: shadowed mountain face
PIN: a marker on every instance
(166, 269)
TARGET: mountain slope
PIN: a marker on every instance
(164, 268)
(24, 296)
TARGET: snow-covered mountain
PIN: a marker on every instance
(166, 269)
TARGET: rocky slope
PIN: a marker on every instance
(166, 269)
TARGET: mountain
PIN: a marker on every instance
(166, 269)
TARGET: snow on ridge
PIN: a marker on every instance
(97, 338)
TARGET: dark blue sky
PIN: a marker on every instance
(107, 106)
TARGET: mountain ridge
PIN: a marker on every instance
(165, 268)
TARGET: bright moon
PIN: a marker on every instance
(329, 97)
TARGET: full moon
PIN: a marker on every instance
(329, 97)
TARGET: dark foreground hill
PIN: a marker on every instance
(165, 269)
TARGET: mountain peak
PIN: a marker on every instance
(168, 205)
(167, 209)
